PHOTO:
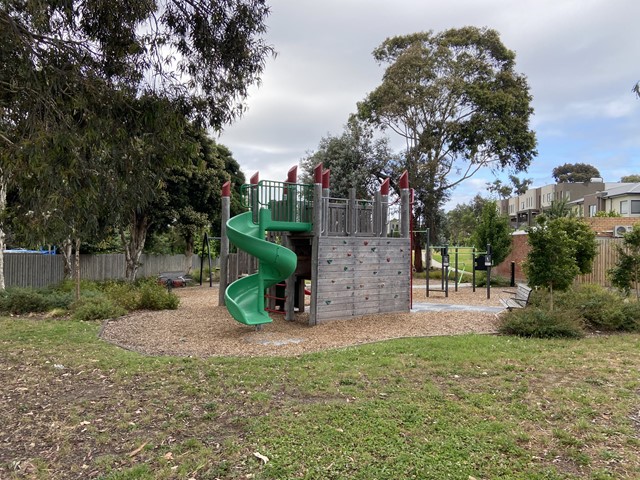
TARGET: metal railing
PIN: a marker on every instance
(288, 202)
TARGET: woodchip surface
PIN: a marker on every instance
(201, 328)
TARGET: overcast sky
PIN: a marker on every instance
(580, 58)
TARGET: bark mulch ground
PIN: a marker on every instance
(201, 328)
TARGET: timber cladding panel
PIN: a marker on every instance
(362, 276)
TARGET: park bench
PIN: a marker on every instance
(520, 297)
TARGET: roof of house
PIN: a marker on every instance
(622, 189)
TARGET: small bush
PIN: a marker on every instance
(601, 309)
(631, 310)
(97, 307)
(122, 293)
(58, 300)
(540, 323)
(156, 297)
(19, 301)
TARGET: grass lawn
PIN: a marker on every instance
(483, 407)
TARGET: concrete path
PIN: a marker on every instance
(445, 307)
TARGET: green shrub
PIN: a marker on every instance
(631, 310)
(601, 309)
(122, 293)
(541, 323)
(95, 307)
(19, 301)
(58, 300)
(156, 297)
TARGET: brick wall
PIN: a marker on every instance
(519, 251)
(603, 226)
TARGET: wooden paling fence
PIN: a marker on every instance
(36, 270)
(605, 260)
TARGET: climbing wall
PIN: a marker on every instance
(362, 276)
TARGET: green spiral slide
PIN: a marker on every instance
(245, 297)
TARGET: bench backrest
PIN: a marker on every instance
(523, 292)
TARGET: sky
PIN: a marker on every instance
(580, 58)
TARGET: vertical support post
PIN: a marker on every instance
(405, 225)
(384, 207)
(254, 196)
(377, 213)
(291, 216)
(352, 215)
(473, 269)
(405, 208)
(455, 273)
(317, 231)
(428, 249)
(513, 274)
(291, 195)
(326, 193)
(289, 286)
(224, 242)
(488, 261)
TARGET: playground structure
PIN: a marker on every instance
(299, 233)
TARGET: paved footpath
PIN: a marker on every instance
(445, 307)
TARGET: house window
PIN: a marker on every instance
(592, 210)
(624, 207)
(635, 206)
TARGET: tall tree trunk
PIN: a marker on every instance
(188, 254)
(77, 267)
(3, 207)
(67, 252)
(135, 244)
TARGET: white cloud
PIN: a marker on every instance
(579, 57)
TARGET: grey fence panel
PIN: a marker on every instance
(32, 270)
(102, 267)
(154, 264)
(35, 270)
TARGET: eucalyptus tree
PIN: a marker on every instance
(630, 179)
(515, 187)
(456, 100)
(198, 58)
(575, 172)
